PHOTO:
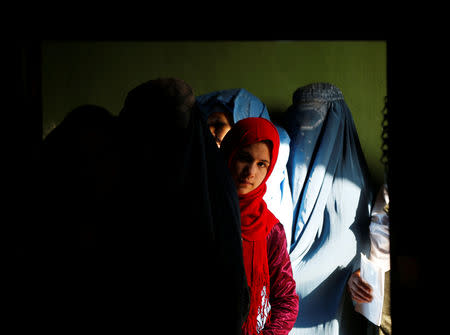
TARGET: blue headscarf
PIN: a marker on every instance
(238, 101)
(243, 104)
(332, 201)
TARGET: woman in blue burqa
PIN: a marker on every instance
(221, 109)
(332, 199)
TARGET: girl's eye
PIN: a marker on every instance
(262, 164)
(243, 157)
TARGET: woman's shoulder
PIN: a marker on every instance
(277, 253)
(277, 228)
(276, 233)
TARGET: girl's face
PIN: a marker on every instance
(249, 166)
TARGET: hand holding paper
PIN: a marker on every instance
(360, 290)
(374, 276)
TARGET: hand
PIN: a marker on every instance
(360, 290)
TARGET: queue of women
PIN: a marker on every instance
(198, 213)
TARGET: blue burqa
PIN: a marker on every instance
(332, 201)
(243, 104)
(240, 102)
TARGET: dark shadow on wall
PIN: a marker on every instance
(276, 114)
(22, 104)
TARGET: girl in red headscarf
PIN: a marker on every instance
(251, 150)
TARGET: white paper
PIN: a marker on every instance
(374, 275)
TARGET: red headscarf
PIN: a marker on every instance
(256, 219)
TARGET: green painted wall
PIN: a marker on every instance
(102, 72)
